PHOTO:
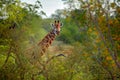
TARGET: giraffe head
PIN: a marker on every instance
(57, 27)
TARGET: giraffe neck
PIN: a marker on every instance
(47, 41)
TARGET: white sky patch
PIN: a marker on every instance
(49, 6)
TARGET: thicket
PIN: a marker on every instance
(89, 39)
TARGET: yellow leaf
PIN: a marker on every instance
(110, 22)
(112, 5)
(108, 58)
(118, 10)
(90, 30)
(113, 65)
(105, 63)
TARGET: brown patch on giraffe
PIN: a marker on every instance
(52, 37)
(47, 45)
(44, 41)
(41, 53)
(41, 42)
(43, 50)
(50, 41)
(48, 37)
(51, 32)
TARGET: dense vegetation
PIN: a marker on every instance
(89, 40)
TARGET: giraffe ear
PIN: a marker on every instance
(61, 24)
(52, 25)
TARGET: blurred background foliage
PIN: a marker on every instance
(89, 39)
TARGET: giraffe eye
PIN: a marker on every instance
(58, 21)
(55, 21)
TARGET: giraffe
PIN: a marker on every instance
(49, 38)
(38, 50)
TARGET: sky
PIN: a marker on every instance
(49, 6)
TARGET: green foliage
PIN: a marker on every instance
(18, 27)
(69, 33)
